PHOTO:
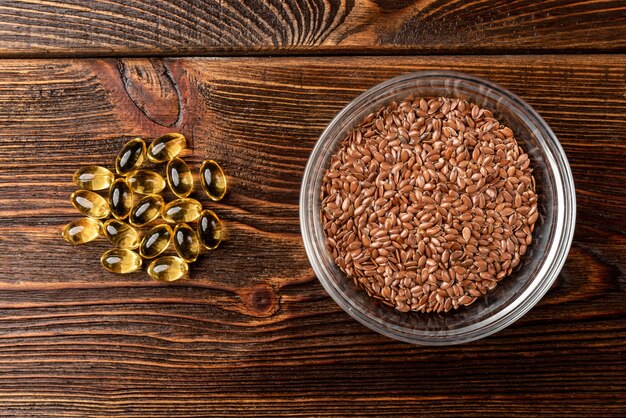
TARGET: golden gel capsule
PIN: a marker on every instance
(179, 177)
(213, 180)
(168, 269)
(90, 204)
(145, 182)
(166, 147)
(146, 210)
(131, 156)
(121, 234)
(121, 261)
(209, 229)
(186, 243)
(82, 230)
(182, 210)
(155, 241)
(120, 199)
(93, 177)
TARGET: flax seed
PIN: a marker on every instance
(428, 203)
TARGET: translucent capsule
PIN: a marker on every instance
(209, 229)
(155, 241)
(166, 147)
(93, 177)
(168, 269)
(131, 156)
(182, 210)
(120, 199)
(146, 210)
(121, 261)
(82, 230)
(121, 234)
(186, 243)
(90, 204)
(145, 182)
(179, 177)
(213, 180)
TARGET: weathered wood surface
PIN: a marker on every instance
(37, 28)
(253, 332)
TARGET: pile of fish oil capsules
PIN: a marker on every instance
(128, 207)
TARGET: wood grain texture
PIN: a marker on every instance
(37, 28)
(252, 332)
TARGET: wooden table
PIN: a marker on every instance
(252, 84)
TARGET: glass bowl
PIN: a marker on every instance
(515, 294)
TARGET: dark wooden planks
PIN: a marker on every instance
(253, 332)
(208, 27)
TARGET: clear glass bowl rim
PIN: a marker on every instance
(566, 216)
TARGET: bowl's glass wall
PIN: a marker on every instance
(515, 294)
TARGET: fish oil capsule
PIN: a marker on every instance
(168, 269)
(155, 241)
(82, 230)
(120, 199)
(93, 177)
(179, 177)
(213, 180)
(130, 157)
(182, 210)
(186, 243)
(121, 234)
(209, 229)
(166, 147)
(90, 204)
(146, 210)
(121, 261)
(145, 182)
